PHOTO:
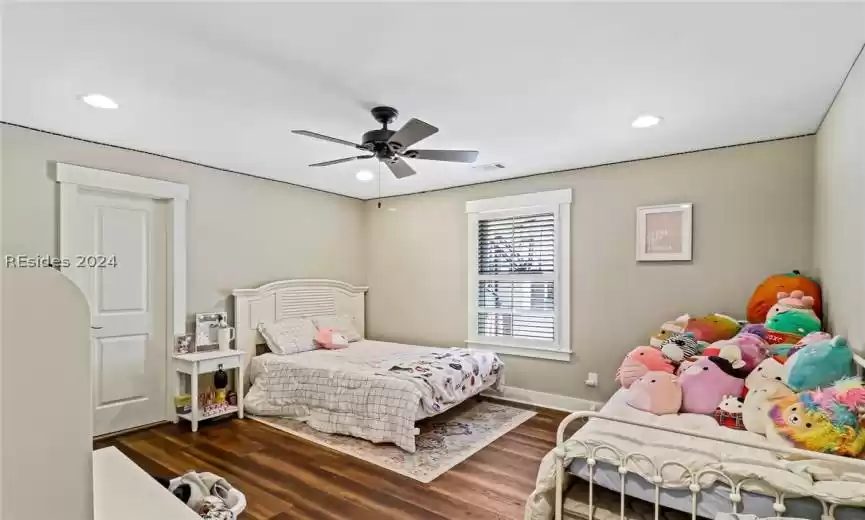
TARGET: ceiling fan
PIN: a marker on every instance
(391, 147)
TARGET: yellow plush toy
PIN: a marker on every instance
(670, 329)
(705, 329)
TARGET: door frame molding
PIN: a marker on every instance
(71, 177)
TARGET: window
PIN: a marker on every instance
(518, 274)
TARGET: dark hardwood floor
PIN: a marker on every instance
(287, 478)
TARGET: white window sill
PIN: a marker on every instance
(512, 350)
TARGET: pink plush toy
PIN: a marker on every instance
(706, 382)
(328, 339)
(753, 348)
(656, 392)
(653, 359)
(629, 371)
(638, 362)
(793, 300)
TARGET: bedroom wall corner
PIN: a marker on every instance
(753, 216)
(839, 189)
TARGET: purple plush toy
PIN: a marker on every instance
(706, 382)
(757, 329)
(753, 348)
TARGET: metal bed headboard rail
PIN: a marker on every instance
(591, 457)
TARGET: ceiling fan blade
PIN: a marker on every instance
(347, 159)
(327, 138)
(400, 168)
(412, 132)
(463, 156)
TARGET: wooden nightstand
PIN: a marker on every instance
(199, 363)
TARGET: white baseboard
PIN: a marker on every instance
(552, 401)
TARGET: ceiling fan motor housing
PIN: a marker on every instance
(376, 136)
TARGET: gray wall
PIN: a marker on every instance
(242, 231)
(839, 245)
(753, 216)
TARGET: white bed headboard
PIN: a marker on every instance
(277, 301)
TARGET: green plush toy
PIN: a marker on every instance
(794, 321)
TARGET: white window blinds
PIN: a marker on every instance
(516, 266)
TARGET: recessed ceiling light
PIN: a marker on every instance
(364, 176)
(99, 101)
(646, 121)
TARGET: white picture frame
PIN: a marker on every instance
(206, 326)
(665, 233)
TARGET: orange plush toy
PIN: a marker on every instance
(766, 294)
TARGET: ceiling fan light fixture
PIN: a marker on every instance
(99, 101)
(365, 176)
(646, 121)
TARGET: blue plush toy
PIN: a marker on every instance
(819, 365)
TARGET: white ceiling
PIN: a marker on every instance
(536, 87)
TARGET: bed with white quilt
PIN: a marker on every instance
(373, 390)
(687, 462)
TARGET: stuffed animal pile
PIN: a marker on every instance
(779, 375)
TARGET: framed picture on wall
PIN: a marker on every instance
(664, 232)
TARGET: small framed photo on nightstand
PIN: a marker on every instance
(184, 343)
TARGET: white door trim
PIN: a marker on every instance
(72, 177)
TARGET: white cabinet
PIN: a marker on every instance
(122, 490)
(47, 408)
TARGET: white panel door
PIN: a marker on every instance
(128, 305)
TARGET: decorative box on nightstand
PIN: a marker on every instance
(198, 363)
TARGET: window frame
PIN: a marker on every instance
(557, 202)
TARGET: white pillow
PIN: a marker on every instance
(291, 336)
(343, 324)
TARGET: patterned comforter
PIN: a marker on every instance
(373, 390)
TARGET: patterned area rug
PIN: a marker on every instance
(445, 440)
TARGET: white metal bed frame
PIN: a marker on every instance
(595, 453)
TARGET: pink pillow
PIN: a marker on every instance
(328, 339)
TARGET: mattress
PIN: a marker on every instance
(373, 390)
(736, 460)
(366, 357)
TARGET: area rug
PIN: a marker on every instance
(445, 440)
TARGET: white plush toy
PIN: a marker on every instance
(733, 354)
(755, 412)
(768, 370)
